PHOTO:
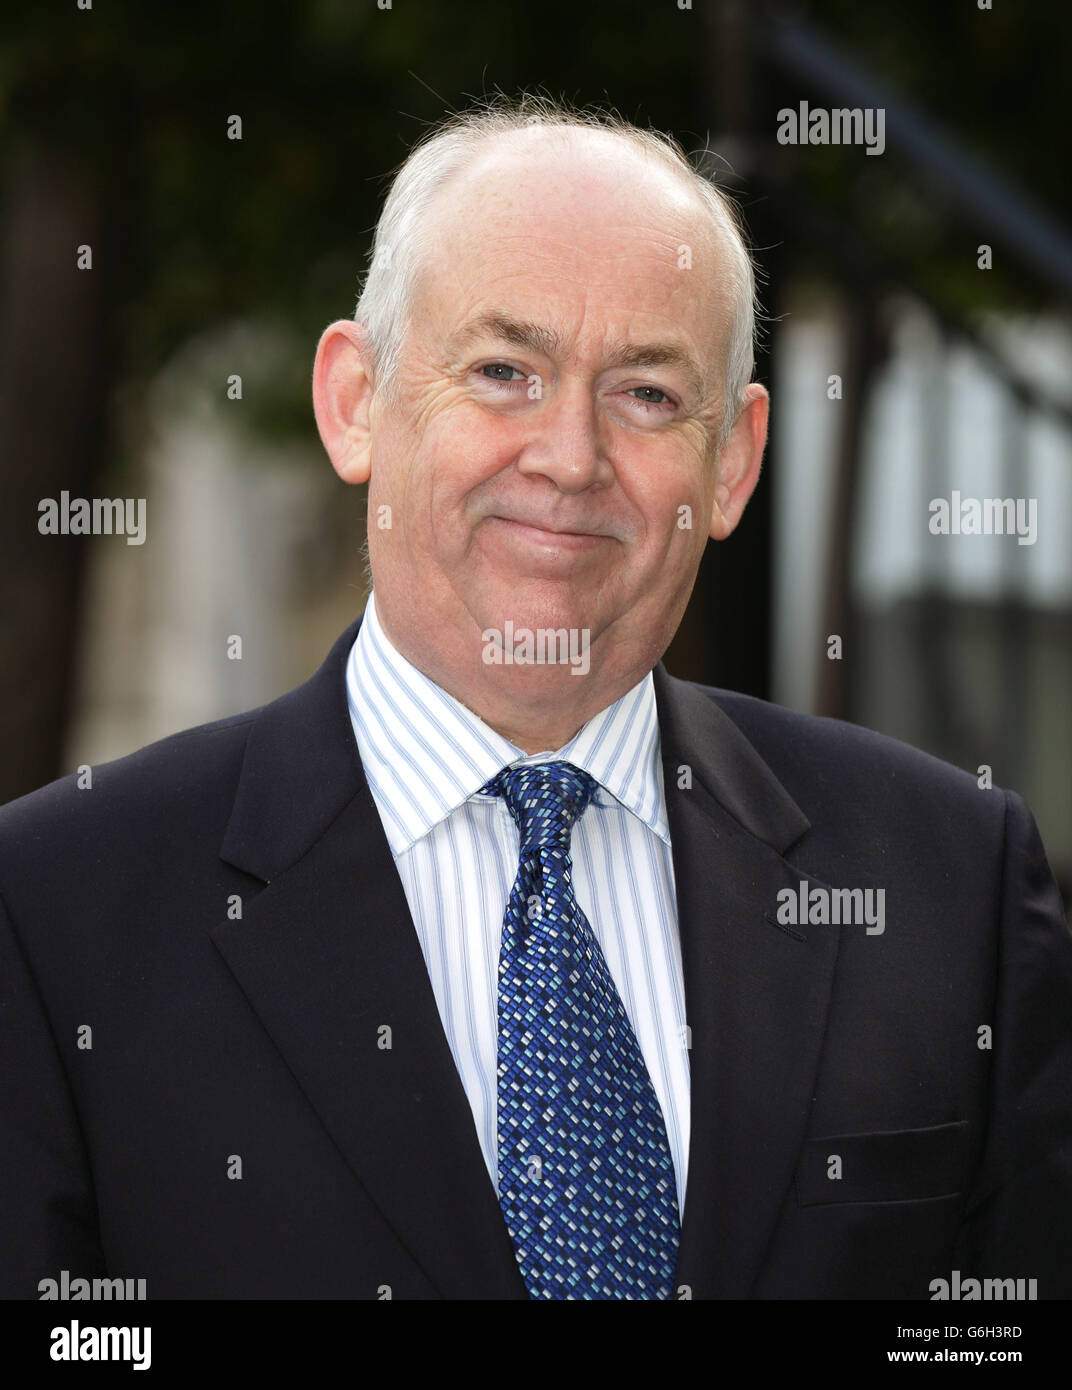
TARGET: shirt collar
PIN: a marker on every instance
(424, 753)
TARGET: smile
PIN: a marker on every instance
(551, 540)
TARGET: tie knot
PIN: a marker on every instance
(544, 799)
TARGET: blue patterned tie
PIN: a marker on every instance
(586, 1181)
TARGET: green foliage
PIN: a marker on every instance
(201, 230)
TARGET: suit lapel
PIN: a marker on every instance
(756, 996)
(329, 960)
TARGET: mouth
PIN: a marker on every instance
(547, 537)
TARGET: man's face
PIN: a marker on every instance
(550, 457)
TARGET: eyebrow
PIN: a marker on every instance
(534, 337)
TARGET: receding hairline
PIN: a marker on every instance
(486, 162)
(489, 148)
(447, 150)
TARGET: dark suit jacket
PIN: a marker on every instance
(260, 1037)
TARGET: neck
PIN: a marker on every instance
(536, 707)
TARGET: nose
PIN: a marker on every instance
(565, 443)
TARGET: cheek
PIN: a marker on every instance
(458, 456)
(667, 486)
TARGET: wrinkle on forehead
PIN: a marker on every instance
(577, 206)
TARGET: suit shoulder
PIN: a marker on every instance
(818, 758)
(184, 770)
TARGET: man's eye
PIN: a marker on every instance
(500, 371)
(651, 391)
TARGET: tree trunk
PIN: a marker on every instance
(53, 418)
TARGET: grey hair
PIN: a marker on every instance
(405, 229)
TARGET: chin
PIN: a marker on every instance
(540, 600)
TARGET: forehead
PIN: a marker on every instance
(540, 219)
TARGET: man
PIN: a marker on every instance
(494, 962)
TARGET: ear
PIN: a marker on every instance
(342, 395)
(739, 462)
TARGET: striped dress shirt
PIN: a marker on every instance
(426, 756)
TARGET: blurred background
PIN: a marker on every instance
(917, 341)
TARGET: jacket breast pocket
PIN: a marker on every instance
(889, 1166)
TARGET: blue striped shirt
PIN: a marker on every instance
(426, 756)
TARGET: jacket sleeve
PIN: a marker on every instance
(48, 1218)
(1019, 1217)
